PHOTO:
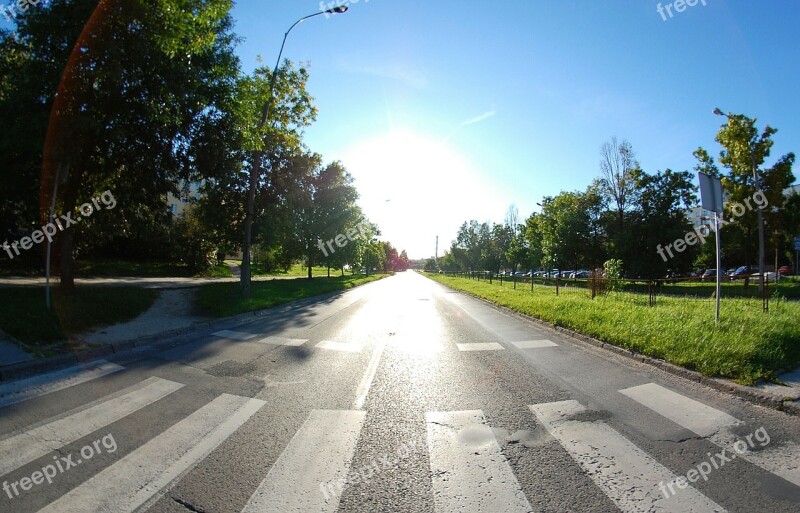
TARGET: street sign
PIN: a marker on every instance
(710, 192)
(797, 243)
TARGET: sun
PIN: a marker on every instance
(416, 187)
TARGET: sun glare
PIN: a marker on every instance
(416, 187)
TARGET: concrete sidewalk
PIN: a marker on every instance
(11, 351)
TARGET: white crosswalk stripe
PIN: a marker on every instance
(37, 386)
(142, 476)
(781, 459)
(626, 474)
(305, 476)
(234, 335)
(25, 447)
(480, 346)
(280, 341)
(469, 471)
(340, 346)
(535, 344)
(693, 415)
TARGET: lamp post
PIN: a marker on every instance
(757, 183)
(258, 154)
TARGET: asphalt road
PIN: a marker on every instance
(400, 395)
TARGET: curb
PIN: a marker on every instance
(755, 396)
(162, 340)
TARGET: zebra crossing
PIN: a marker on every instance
(468, 469)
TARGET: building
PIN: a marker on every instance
(177, 204)
(699, 216)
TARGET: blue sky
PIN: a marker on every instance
(445, 111)
(454, 110)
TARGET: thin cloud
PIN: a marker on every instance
(409, 77)
(478, 119)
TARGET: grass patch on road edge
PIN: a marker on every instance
(747, 344)
(25, 317)
(225, 299)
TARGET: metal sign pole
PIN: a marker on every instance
(719, 265)
(711, 199)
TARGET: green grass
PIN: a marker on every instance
(225, 299)
(25, 317)
(296, 270)
(218, 271)
(143, 269)
(788, 288)
(745, 346)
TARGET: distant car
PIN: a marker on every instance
(744, 272)
(579, 275)
(769, 276)
(709, 275)
(785, 270)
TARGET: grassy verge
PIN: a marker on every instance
(145, 269)
(296, 270)
(745, 346)
(25, 317)
(225, 299)
(788, 288)
(218, 271)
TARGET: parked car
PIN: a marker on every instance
(744, 271)
(769, 276)
(582, 274)
(785, 270)
(708, 275)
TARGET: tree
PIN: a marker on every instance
(135, 90)
(658, 219)
(744, 148)
(564, 227)
(617, 185)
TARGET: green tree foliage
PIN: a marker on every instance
(125, 96)
(743, 149)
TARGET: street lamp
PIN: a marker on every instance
(757, 183)
(258, 154)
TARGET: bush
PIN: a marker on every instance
(190, 245)
(613, 272)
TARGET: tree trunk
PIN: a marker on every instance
(67, 264)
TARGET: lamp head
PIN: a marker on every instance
(338, 10)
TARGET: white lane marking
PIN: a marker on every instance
(692, 415)
(25, 447)
(369, 375)
(469, 471)
(626, 474)
(782, 460)
(144, 475)
(535, 344)
(280, 341)
(37, 386)
(233, 335)
(340, 346)
(481, 346)
(318, 456)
